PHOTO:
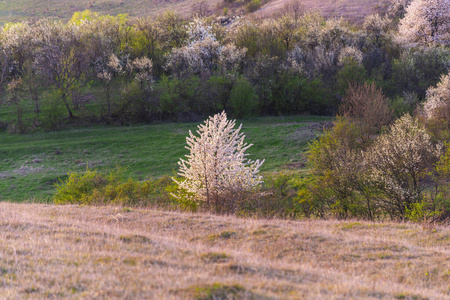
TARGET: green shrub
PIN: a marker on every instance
(243, 98)
(253, 6)
(416, 212)
(96, 188)
(351, 72)
(276, 198)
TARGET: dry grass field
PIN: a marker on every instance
(352, 10)
(74, 252)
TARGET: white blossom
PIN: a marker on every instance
(206, 55)
(437, 105)
(426, 22)
(350, 54)
(217, 164)
(199, 30)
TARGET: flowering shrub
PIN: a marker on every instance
(400, 162)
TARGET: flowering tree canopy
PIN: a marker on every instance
(437, 105)
(217, 165)
(427, 22)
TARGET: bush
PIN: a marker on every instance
(400, 163)
(351, 72)
(242, 98)
(366, 106)
(99, 188)
(277, 197)
(253, 6)
(338, 184)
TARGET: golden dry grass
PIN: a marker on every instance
(76, 252)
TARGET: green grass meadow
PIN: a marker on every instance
(31, 164)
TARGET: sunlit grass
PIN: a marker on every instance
(72, 252)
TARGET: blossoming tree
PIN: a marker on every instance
(427, 22)
(217, 167)
(437, 106)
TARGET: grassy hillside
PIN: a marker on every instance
(31, 164)
(17, 10)
(70, 252)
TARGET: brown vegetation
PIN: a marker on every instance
(51, 251)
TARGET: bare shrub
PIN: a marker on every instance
(366, 105)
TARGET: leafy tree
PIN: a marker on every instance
(339, 173)
(242, 98)
(60, 58)
(216, 169)
(173, 29)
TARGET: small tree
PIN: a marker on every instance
(339, 173)
(401, 162)
(216, 168)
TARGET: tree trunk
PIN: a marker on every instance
(64, 99)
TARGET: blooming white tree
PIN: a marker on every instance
(143, 67)
(217, 165)
(204, 56)
(427, 22)
(437, 106)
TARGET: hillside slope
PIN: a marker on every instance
(106, 253)
(17, 10)
(353, 10)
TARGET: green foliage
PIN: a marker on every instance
(168, 96)
(94, 187)
(53, 111)
(338, 183)
(242, 98)
(416, 70)
(184, 199)
(277, 197)
(405, 104)
(416, 212)
(351, 72)
(297, 94)
(253, 6)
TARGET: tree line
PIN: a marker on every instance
(107, 69)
